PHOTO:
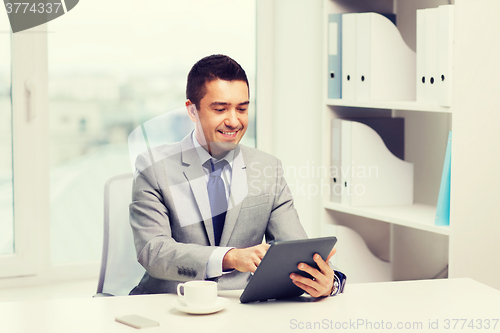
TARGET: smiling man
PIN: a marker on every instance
(202, 210)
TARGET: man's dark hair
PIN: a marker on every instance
(211, 68)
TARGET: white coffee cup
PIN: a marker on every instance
(198, 293)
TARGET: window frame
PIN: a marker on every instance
(28, 54)
(31, 258)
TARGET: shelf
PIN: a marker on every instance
(392, 105)
(416, 216)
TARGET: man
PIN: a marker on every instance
(201, 207)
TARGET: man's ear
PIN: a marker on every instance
(191, 109)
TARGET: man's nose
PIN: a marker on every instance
(232, 120)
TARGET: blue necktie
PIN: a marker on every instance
(217, 197)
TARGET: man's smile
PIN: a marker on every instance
(229, 134)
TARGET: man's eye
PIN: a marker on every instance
(242, 109)
(219, 110)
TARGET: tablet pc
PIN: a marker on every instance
(272, 280)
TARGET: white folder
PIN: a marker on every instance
(349, 56)
(385, 65)
(431, 56)
(335, 175)
(445, 60)
(371, 175)
(421, 81)
(378, 177)
(363, 56)
(345, 160)
(334, 56)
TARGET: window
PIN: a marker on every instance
(6, 188)
(114, 65)
(71, 91)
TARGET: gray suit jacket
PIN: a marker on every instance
(171, 219)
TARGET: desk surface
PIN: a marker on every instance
(418, 305)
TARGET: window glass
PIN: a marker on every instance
(6, 190)
(114, 65)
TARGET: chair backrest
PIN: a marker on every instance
(120, 270)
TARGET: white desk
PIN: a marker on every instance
(403, 303)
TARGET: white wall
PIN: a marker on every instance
(290, 105)
(475, 212)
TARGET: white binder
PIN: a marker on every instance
(445, 60)
(431, 56)
(385, 65)
(345, 160)
(392, 184)
(421, 80)
(371, 175)
(335, 56)
(349, 56)
(336, 176)
(363, 56)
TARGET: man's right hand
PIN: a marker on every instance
(245, 260)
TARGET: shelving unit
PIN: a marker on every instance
(426, 130)
(300, 115)
(417, 248)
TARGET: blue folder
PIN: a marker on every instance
(443, 205)
(335, 56)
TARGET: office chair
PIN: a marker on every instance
(120, 270)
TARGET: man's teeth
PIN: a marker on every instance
(228, 133)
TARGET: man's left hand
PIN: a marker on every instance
(322, 282)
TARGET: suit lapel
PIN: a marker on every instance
(239, 191)
(195, 175)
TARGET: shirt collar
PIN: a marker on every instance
(204, 155)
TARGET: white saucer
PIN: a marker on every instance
(219, 305)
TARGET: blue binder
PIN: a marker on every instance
(335, 56)
(443, 204)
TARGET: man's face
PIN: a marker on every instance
(222, 116)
